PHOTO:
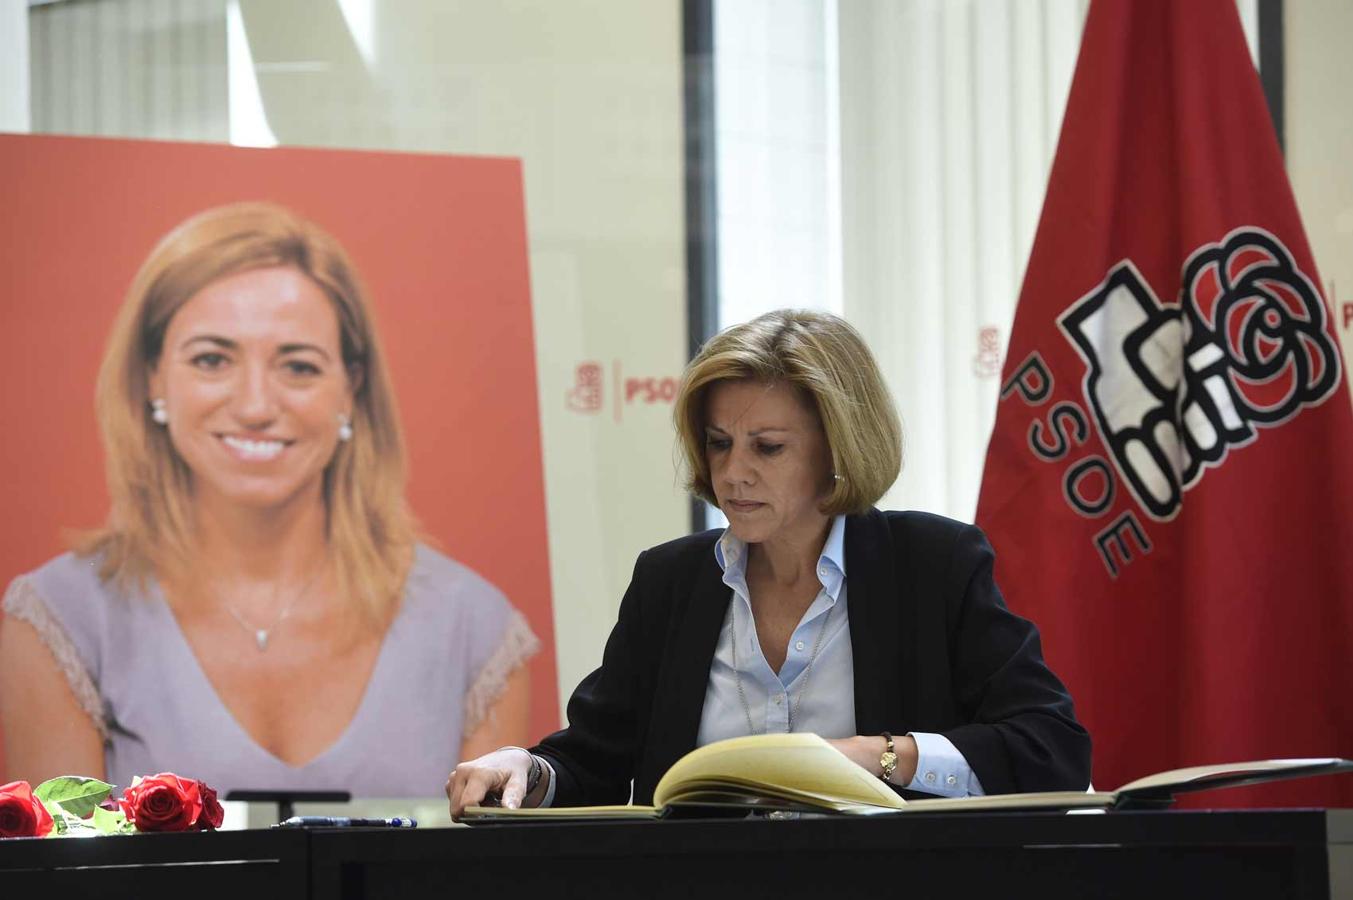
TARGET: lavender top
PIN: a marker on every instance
(445, 659)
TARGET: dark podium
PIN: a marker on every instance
(1152, 854)
(1277, 853)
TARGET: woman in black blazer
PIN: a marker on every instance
(882, 631)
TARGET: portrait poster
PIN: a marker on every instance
(440, 245)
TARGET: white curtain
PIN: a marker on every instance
(130, 68)
(14, 103)
(775, 71)
(949, 119)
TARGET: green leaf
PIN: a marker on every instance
(108, 822)
(59, 825)
(76, 795)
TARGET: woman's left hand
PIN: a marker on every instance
(866, 751)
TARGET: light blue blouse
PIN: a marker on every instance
(822, 697)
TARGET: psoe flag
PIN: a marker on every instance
(1169, 484)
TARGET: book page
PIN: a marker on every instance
(788, 766)
(1027, 801)
(1197, 777)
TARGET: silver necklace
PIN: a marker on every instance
(261, 635)
(803, 684)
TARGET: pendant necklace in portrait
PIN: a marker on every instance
(262, 635)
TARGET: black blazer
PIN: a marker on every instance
(934, 647)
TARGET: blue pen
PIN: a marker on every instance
(345, 822)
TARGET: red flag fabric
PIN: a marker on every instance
(1169, 484)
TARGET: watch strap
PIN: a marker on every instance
(888, 761)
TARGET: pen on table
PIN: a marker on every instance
(345, 822)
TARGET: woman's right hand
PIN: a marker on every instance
(501, 774)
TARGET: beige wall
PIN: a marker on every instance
(1319, 126)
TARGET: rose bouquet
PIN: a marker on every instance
(71, 805)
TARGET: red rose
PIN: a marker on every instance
(212, 814)
(163, 802)
(22, 814)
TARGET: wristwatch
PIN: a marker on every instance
(889, 759)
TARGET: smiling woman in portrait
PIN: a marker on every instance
(258, 611)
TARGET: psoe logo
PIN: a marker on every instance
(586, 395)
(987, 362)
(1174, 388)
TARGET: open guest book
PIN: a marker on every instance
(803, 772)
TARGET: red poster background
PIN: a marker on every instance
(440, 243)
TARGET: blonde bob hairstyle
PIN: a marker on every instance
(827, 361)
(149, 532)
